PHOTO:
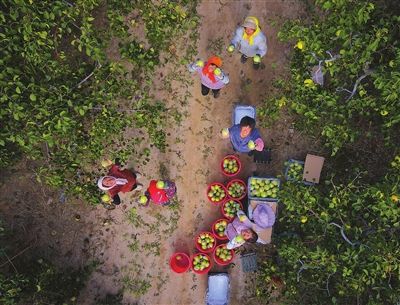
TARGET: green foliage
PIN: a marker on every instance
(58, 100)
(137, 53)
(134, 218)
(152, 247)
(38, 281)
(42, 283)
(270, 111)
(11, 288)
(152, 117)
(135, 286)
(61, 98)
(356, 44)
(116, 11)
(164, 19)
(164, 22)
(337, 244)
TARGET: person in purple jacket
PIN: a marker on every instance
(211, 76)
(244, 136)
(242, 230)
(239, 231)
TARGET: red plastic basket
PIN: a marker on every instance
(230, 157)
(209, 188)
(220, 261)
(209, 250)
(179, 262)
(223, 205)
(242, 183)
(204, 271)
(215, 232)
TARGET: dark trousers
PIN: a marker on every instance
(205, 90)
(116, 200)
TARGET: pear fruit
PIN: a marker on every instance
(225, 133)
(160, 184)
(251, 145)
(106, 198)
(143, 199)
(106, 163)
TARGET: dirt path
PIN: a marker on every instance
(133, 245)
(193, 161)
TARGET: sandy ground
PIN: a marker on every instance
(133, 245)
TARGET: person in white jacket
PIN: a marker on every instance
(250, 41)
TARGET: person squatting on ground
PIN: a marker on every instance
(242, 230)
(244, 136)
(118, 180)
(211, 76)
(250, 41)
(239, 231)
(160, 192)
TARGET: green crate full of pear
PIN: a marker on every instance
(263, 188)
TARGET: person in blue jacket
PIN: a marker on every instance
(244, 136)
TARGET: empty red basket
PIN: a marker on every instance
(231, 158)
(179, 262)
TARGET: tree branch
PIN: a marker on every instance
(302, 268)
(9, 261)
(343, 234)
(15, 256)
(367, 72)
(327, 283)
(98, 65)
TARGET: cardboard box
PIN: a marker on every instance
(264, 234)
(312, 168)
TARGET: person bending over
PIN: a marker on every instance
(160, 192)
(118, 180)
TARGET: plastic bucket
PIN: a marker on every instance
(209, 189)
(231, 157)
(218, 260)
(208, 250)
(214, 230)
(241, 111)
(205, 270)
(242, 183)
(223, 205)
(179, 262)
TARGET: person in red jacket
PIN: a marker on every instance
(119, 180)
(160, 192)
